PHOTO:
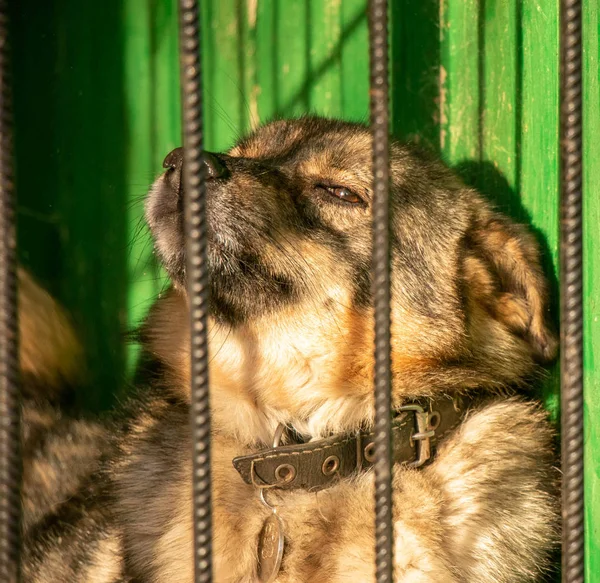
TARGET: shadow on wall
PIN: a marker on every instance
(70, 141)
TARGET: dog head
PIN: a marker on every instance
(289, 258)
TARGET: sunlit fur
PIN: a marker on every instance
(291, 342)
(58, 450)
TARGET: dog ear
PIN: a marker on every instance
(503, 273)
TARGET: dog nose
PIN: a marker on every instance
(214, 167)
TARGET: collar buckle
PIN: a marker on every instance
(423, 435)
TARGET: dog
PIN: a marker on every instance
(291, 375)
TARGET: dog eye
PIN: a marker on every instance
(343, 193)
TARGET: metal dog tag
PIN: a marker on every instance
(270, 548)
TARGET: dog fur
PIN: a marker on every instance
(291, 336)
(59, 449)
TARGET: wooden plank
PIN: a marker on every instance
(415, 61)
(591, 210)
(291, 54)
(224, 102)
(354, 64)
(537, 144)
(324, 56)
(458, 77)
(247, 50)
(266, 63)
(165, 123)
(500, 75)
(88, 147)
(39, 217)
(282, 58)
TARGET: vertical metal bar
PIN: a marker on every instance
(197, 281)
(571, 275)
(379, 90)
(10, 434)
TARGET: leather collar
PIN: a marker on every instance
(417, 429)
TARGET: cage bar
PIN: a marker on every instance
(571, 279)
(379, 93)
(194, 173)
(10, 434)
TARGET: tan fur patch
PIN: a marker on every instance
(49, 349)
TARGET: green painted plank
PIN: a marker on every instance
(165, 122)
(538, 118)
(459, 95)
(591, 208)
(324, 56)
(291, 54)
(537, 138)
(354, 89)
(39, 216)
(225, 105)
(74, 81)
(71, 171)
(415, 68)
(266, 65)
(500, 116)
(247, 19)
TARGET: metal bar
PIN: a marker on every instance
(10, 433)
(571, 275)
(197, 281)
(379, 92)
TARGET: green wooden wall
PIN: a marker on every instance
(97, 108)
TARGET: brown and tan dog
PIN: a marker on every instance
(291, 345)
